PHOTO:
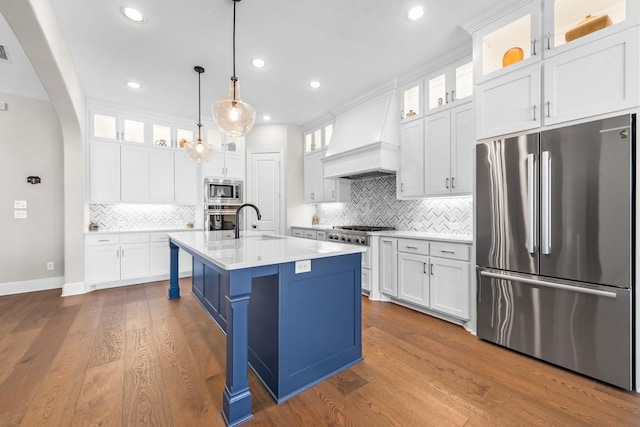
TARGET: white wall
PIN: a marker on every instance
(289, 138)
(32, 144)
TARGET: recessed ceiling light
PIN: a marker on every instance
(133, 14)
(257, 62)
(266, 118)
(133, 85)
(416, 13)
(315, 84)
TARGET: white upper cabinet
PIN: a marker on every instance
(508, 43)
(548, 62)
(161, 176)
(411, 183)
(411, 101)
(110, 126)
(186, 179)
(572, 23)
(450, 85)
(104, 172)
(228, 156)
(314, 178)
(134, 174)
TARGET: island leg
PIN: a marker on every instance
(236, 398)
(174, 287)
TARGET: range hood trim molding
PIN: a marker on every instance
(377, 157)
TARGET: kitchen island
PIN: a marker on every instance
(290, 308)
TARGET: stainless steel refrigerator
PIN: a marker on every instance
(555, 227)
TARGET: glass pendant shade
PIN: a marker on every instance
(234, 117)
(199, 150)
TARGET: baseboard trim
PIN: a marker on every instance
(24, 286)
(77, 288)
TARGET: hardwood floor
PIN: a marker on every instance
(128, 356)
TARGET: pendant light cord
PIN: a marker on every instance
(199, 112)
(234, 78)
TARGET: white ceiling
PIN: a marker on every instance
(350, 46)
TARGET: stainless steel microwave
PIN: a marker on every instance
(222, 192)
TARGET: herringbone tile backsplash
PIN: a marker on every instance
(123, 217)
(373, 202)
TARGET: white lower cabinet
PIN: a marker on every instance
(366, 280)
(413, 278)
(432, 275)
(449, 287)
(129, 258)
(389, 266)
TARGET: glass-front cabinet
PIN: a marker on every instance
(540, 29)
(450, 85)
(411, 101)
(318, 139)
(576, 22)
(109, 126)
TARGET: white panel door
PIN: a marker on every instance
(450, 288)
(509, 103)
(161, 176)
(186, 179)
(134, 261)
(265, 189)
(462, 146)
(598, 78)
(104, 172)
(411, 160)
(134, 174)
(103, 263)
(389, 266)
(437, 154)
(413, 278)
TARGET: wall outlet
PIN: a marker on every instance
(50, 265)
(303, 266)
(20, 204)
(20, 214)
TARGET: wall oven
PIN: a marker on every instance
(224, 192)
(221, 218)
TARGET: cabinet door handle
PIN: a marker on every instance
(333, 194)
(535, 107)
(432, 269)
(533, 47)
(446, 183)
(452, 182)
(117, 253)
(549, 109)
(453, 98)
(122, 252)
(548, 36)
(446, 98)
(424, 267)
(312, 196)
(401, 114)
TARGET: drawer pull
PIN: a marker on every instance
(412, 247)
(103, 240)
(447, 252)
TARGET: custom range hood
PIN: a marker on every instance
(365, 140)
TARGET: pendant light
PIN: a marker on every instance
(234, 117)
(198, 149)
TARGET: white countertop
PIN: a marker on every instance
(426, 235)
(149, 230)
(256, 249)
(314, 227)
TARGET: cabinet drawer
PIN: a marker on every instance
(297, 232)
(450, 250)
(321, 235)
(413, 246)
(310, 234)
(159, 236)
(134, 238)
(102, 239)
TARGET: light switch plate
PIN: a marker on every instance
(303, 266)
(20, 214)
(3, 106)
(20, 204)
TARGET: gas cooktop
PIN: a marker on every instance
(354, 234)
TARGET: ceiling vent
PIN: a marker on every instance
(4, 55)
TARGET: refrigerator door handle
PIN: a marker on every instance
(546, 203)
(531, 203)
(547, 284)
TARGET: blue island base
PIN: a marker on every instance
(302, 328)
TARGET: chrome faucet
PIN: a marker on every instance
(238, 217)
